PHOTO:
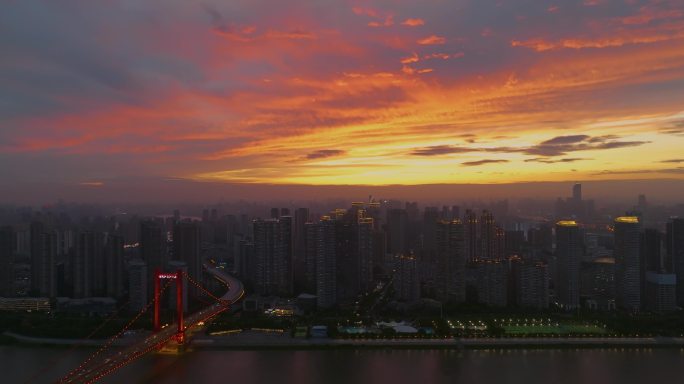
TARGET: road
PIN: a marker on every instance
(105, 362)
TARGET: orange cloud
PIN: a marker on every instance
(411, 59)
(432, 40)
(413, 22)
(389, 21)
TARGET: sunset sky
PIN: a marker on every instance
(341, 92)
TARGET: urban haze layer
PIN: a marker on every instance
(368, 272)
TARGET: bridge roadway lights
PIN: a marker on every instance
(178, 277)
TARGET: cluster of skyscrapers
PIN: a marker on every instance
(576, 259)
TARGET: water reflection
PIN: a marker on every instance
(592, 366)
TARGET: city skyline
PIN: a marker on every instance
(331, 93)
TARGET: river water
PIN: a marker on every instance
(586, 366)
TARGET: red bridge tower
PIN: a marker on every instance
(178, 277)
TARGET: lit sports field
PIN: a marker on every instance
(553, 328)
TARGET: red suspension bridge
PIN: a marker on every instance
(105, 360)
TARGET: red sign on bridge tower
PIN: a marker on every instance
(178, 277)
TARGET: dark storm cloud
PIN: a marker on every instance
(324, 153)
(482, 162)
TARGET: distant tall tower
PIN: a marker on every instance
(627, 263)
(641, 202)
(674, 244)
(577, 192)
(568, 256)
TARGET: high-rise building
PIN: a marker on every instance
(531, 281)
(598, 282)
(658, 280)
(674, 244)
(568, 259)
(43, 252)
(364, 247)
(406, 282)
(245, 264)
(299, 247)
(321, 250)
(396, 231)
(451, 261)
(514, 242)
(153, 246)
(272, 251)
(540, 238)
(186, 248)
(6, 261)
(627, 263)
(488, 236)
(430, 218)
(455, 212)
(87, 265)
(137, 285)
(114, 265)
(472, 236)
(492, 282)
(326, 263)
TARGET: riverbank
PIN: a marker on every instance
(253, 340)
(261, 341)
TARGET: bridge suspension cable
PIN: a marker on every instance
(71, 350)
(110, 341)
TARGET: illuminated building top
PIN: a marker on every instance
(627, 219)
(567, 223)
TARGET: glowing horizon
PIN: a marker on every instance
(342, 93)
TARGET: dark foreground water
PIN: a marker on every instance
(589, 366)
